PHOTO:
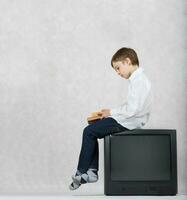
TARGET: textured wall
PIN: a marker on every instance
(55, 70)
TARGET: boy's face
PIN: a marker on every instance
(123, 68)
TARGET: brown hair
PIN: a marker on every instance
(123, 53)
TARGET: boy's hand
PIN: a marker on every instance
(94, 114)
(105, 112)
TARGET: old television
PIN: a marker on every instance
(141, 162)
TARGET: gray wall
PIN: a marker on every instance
(55, 70)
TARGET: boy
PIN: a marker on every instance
(132, 114)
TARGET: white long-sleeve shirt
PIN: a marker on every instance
(135, 112)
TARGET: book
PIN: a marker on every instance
(95, 116)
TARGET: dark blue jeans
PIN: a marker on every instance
(89, 154)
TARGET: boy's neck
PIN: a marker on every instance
(134, 68)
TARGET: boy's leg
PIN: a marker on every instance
(91, 133)
(94, 166)
(95, 160)
(89, 154)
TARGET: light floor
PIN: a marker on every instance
(89, 196)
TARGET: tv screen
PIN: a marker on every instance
(141, 162)
(139, 158)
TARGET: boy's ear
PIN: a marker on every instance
(128, 61)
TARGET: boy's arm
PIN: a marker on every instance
(118, 110)
(135, 101)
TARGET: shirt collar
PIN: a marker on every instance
(136, 73)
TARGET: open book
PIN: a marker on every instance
(95, 116)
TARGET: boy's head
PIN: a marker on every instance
(125, 62)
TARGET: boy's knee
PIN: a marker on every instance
(88, 132)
